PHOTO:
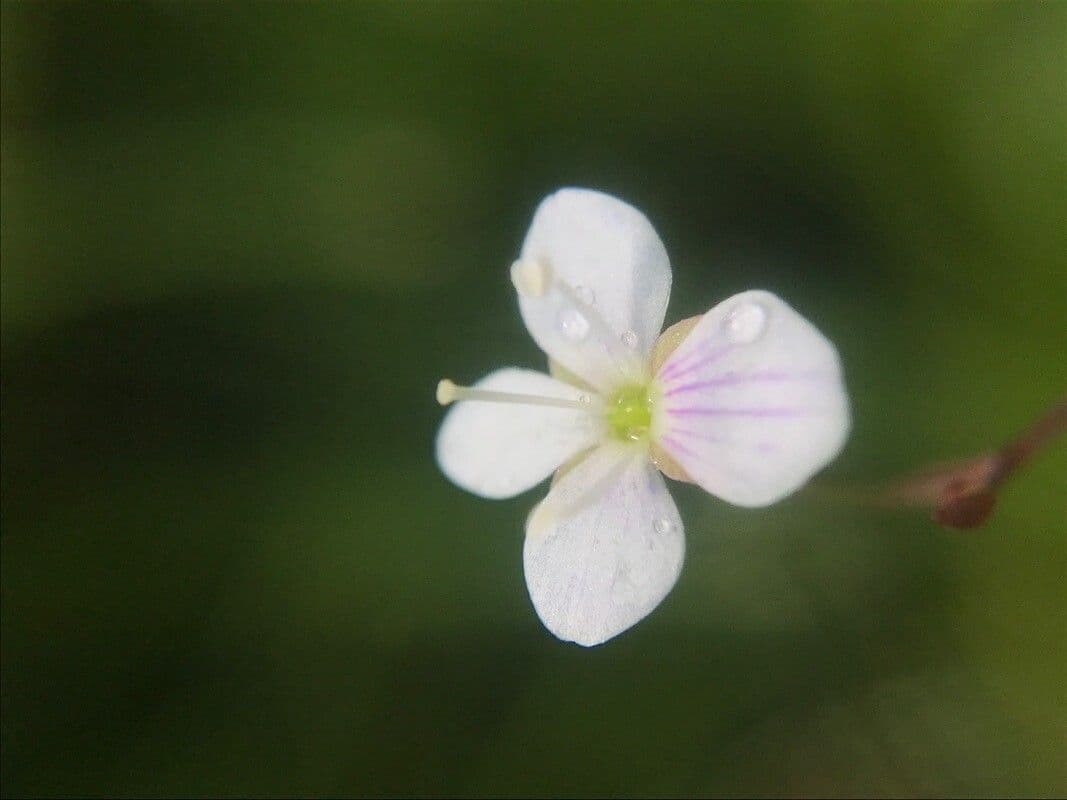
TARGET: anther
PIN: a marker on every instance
(446, 392)
(531, 277)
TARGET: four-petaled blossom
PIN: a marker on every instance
(747, 401)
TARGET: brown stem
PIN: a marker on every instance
(1022, 448)
(963, 493)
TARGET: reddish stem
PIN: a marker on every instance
(963, 493)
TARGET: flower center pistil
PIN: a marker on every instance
(628, 413)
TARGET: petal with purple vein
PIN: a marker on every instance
(752, 420)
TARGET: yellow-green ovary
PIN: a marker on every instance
(629, 413)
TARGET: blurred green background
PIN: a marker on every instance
(241, 243)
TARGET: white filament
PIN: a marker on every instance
(449, 392)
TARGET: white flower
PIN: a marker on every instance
(747, 401)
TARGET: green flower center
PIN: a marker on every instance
(629, 413)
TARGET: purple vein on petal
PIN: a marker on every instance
(651, 482)
(675, 446)
(678, 359)
(711, 438)
(734, 379)
(738, 412)
(672, 371)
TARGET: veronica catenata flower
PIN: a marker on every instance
(747, 401)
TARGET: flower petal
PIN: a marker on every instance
(497, 450)
(752, 402)
(608, 281)
(604, 548)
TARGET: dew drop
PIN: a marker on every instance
(663, 525)
(629, 338)
(746, 323)
(584, 399)
(585, 294)
(573, 324)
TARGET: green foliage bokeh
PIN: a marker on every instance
(241, 243)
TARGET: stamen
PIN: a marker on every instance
(531, 277)
(448, 392)
(579, 320)
(587, 309)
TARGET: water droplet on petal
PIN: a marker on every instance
(629, 338)
(584, 399)
(585, 294)
(746, 323)
(573, 324)
(663, 525)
